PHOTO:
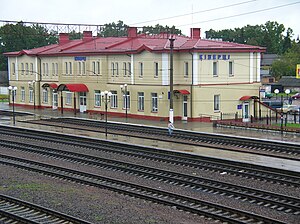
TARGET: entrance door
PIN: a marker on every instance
(82, 102)
(246, 117)
(54, 101)
(185, 105)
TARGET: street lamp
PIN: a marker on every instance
(32, 85)
(13, 90)
(125, 93)
(287, 91)
(105, 99)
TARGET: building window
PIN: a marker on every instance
(98, 67)
(13, 66)
(22, 68)
(231, 68)
(141, 70)
(113, 69)
(79, 68)
(141, 102)
(155, 69)
(22, 94)
(83, 67)
(216, 102)
(186, 69)
(53, 69)
(154, 102)
(70, 68)
(129, 69)
(215, 68)
(44, 68)
(94, 67)
(124, 69)
(45, 96)
(66, 68)
(117, 68)
(114, 99)
(26, 68)
(31, 68)
(126, 97)
(68, 98)
(97, 98)
(30, 95)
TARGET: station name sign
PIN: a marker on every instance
(214, 57)
(79, 58)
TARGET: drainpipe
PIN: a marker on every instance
(192, 83)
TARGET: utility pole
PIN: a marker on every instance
(171, 112)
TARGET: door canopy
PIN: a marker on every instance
(73, 87)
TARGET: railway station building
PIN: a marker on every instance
(210, 77)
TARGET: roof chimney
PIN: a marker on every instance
(63, 38)
(87, 35)
(132, 32)
(195, 33)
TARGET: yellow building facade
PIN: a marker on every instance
(209, 76)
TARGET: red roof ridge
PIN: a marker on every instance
(76, 44)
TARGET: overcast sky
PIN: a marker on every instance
(184, 14)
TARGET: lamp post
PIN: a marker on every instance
(32, 85)
(13, 90)
(276, 91)
(287, 92)
(125, 93)
(105, 99)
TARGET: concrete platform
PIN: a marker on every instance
(194, 126)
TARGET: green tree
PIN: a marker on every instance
(286, 65)
(16, 37)
(114, 29)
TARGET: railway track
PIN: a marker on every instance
(268, 199)
(249, 171)
(13, 210)
(262, 147)
(181, 202)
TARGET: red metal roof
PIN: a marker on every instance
(133, 45)
(73, 87)
(243, 98)
(183, 91)
(51, 85)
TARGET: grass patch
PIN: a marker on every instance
(289, 125)
(4, 98)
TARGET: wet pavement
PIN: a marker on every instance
(194, 126)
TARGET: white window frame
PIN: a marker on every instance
(129, 68)
(141, 101)
(215, 68)
(45, 96)
(186, 69)
(66, 68)
(97, 96)
(230, 69)
(125, 69)
(141, 69)
(68, 98)
(216, 103)
(127, 96)
(30, 95)
(156, 69)
(154, 102)
(22, 94)
(114, 99)
(70, 68)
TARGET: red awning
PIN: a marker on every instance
(51, 85)
(183, 91)
(243, 98)
(73, 87)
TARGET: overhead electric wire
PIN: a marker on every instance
(187, 14)
(242, 14)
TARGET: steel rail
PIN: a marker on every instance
(193, 205)
(14, 209)
(269, 199)
(200, 162)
